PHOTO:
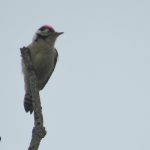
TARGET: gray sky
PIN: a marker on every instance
(99, 95)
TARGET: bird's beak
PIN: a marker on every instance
(58, 33)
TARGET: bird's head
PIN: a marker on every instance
(47, 33)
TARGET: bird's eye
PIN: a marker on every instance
(51, 30)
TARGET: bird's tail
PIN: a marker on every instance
(28, 106)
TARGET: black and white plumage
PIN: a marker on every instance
(44, 58)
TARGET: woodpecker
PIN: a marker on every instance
(44, 58)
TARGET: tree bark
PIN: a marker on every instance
(38, 131)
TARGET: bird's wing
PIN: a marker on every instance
(55, 61)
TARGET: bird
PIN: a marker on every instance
(44, 57)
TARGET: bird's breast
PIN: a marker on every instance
(43, 61)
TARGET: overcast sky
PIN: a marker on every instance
(98, 97)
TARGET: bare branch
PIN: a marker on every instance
(38, 131)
